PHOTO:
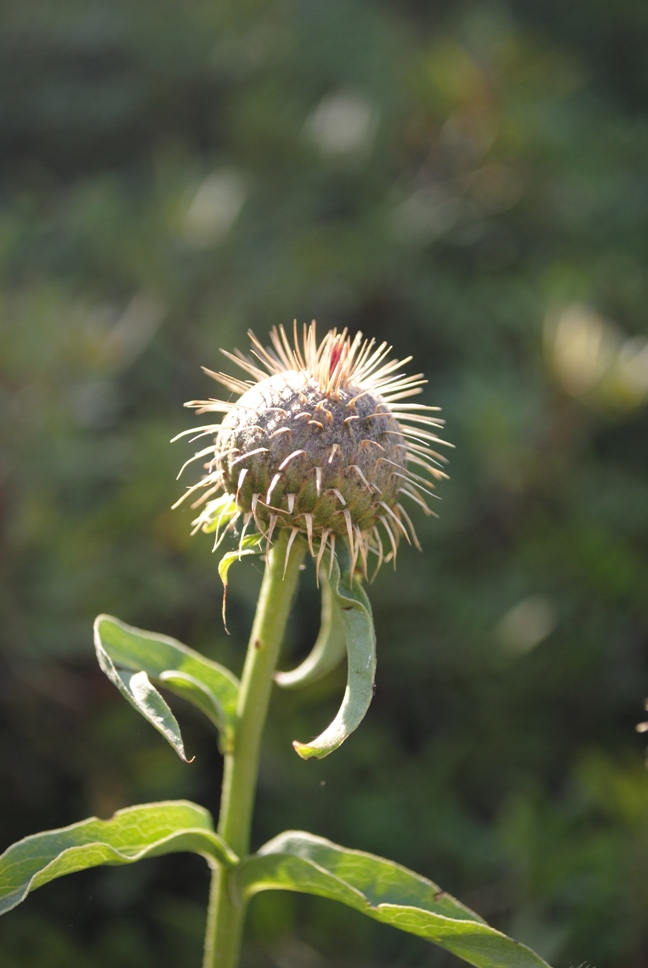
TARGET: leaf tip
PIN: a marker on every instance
(306, 752)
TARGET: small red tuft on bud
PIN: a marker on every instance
(336, 353)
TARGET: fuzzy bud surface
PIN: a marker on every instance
(320, 442)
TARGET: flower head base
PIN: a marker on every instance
(320, 442)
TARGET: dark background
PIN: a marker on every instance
(468, 181)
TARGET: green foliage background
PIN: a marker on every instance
(466, 180)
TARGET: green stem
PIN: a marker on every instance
(226, 911)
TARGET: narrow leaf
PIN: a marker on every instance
(357, 623)
(329, 648)
(135, 833)
(250, 545)
(384, 891)
(131, 657)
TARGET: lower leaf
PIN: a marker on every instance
(132, 834)
(383, 890)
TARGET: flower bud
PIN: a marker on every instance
(320, 443)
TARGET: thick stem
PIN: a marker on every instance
(226, 911)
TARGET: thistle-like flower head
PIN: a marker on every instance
(320, 442)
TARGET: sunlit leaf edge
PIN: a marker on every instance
(175, 826)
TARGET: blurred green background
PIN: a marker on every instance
(467, 180)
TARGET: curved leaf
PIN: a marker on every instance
(357, 623)
(383, 890)
(329, 648)
(249, 545)
(131, 657)
(149, 830)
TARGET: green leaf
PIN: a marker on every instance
(250, 545)
(357, 623)
(383, 890)
(216, 515)
(135, 833)
(131, 657)
(329, 648)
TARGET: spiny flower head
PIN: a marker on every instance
(319, 441)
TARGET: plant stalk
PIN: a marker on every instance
(227, 911)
